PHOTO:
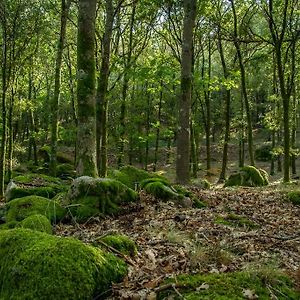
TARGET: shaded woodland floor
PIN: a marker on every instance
(240, 229)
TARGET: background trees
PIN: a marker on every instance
(243, 69)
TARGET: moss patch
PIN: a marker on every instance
(37, 222)
(65, 171)
(121, 243)
(89, 197)
(231, 286)
(294, 197)
(35, 265)
(21, 208)
(236, 221)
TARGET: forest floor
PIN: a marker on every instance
(240, 229)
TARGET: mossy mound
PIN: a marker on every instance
(37, 222)
(132, 176)
(121, 243)
(234, 286)
(62, 157)
(264, 152)
(248, 176)
(9, 225)
(294, 197)
(65, 171)
(21, 208)
(35, 265)
(90, 197)
(34, 184)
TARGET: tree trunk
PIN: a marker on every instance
(101, 100)
(55, 102)
(86, 133)
(243, 87)
(183, 136)
(227, 112)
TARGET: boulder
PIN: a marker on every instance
(89, 197)
(21, 208)
(36, 265)
(37, 222)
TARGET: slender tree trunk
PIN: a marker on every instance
(294, 132)
(183, 136)
(272, 169)
(158, 127)
(101, 101)
(86, 132)
(243, 87)
(11, 134)
(227, 113)
(54, 104)
(194, 160)
(147, 131)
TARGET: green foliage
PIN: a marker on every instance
(37, 222)
(248, 176)
(21, 208)
(121, 243)
(294, 197)
(236, 221)
(35, 265)
(95, 196)
(230, 286)
(264, 152)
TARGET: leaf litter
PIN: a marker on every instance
(173, 240)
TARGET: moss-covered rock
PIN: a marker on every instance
(21, 208)
(37, 222)
(294, 197)
(90, 197)
(160, 190)
(121, 243)
(34, 184)
(9, 225)
(236, 221)
(65, 171)
(248, 176)
(35, 265)
(132, 176)
(62, 157)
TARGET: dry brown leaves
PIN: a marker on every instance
(173, 240)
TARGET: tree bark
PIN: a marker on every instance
(86, 133)
(183, 135)
(101, 100)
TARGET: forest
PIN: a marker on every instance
(149, 149)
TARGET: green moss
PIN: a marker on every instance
(121, 243)
(35, 265)
(93, 196)
(144, 182)
(41, 178)
(21, 208)
(248, 176)
(294, 197)
(9, 225)
(186, 193)
(159, 190)
(236, 221)
(65, 171)
(230, 286)
(38, 223)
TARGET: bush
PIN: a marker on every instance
(35, 265)
(264, 152)
(21, 208)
